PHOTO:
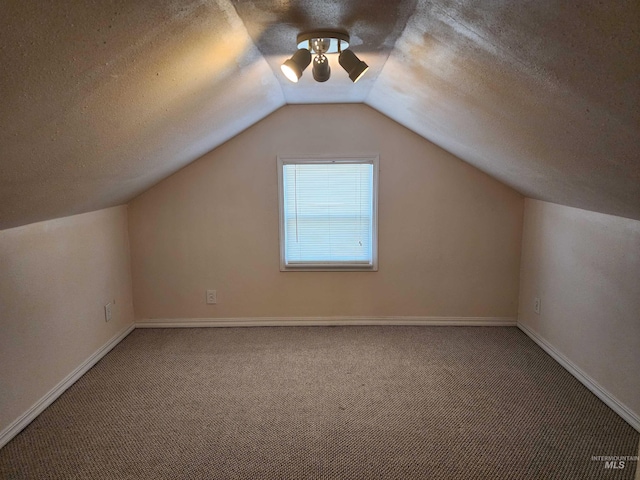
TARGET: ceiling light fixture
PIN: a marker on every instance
(294, 67)
(355, 67)
(321, 69)
(322, 42)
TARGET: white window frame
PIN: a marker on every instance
(329, 266)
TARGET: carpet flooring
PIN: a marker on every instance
(324, 403)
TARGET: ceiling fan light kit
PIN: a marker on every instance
(321, 43)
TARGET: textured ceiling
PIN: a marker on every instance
(542, 95)
(102, 99)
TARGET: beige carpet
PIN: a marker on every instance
(330, 402)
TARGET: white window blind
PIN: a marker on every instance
(328, 213)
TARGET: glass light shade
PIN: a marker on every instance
(290, 72)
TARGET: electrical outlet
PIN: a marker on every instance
(107, 312)
(212, 297)
(536, 305)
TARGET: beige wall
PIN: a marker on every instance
(449, 235)
(55, 278)
(585, 268)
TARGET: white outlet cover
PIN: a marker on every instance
(211, 297)
(108, 314)
(536, 305)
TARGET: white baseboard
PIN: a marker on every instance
(324, 321)
(17, 426)
(625, 412)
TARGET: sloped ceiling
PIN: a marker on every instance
(102, 99)
(542, 95)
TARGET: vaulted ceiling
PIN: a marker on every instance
(101, 99)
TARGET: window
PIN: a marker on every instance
(328, 213)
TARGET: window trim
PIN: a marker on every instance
(324, 266)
